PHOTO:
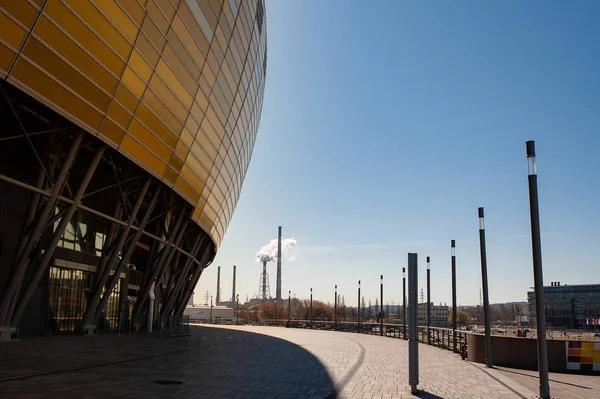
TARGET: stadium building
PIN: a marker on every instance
(127, 129)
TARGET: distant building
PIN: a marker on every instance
(219, 313)
(439, 315)
(568, 306)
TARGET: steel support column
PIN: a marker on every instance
(49, 253)
(90, 313)
(179, 282)
(125, 259)
(110, 241)
(165, 258)
(21, 259)
(191, 283)
(88, 210)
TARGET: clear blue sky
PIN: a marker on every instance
(386, 124)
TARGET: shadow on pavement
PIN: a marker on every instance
(536, 377)
(210, 363)
(427, 395)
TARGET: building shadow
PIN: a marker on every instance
(211, 362)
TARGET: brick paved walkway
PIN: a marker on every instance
(561, 385)
(251, 362)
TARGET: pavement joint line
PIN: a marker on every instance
(523, 392)
(344, 381)
(92, 366)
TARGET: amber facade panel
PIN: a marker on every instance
(175, 85)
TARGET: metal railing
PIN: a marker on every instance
(176, 326)
(440, 337)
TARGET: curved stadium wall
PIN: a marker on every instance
(171, 89)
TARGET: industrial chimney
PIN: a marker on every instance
(264, 281)
(218, 299)
(233, 290)
(278, 289)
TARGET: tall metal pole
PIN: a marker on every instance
(335, 308)
(290, 308)
(453, 253)
(358, 319)
(211, 306)
(278, 288)
(275, 302)
(536, 246)
(428, 301)
(381, 306)
(484, 282)
(311, 316)
(233, 295)
(413, 327)
(218, 298)
(237, 313)
(403, 303)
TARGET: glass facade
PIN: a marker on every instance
(69, 291)
(174, 85)
(568, 306)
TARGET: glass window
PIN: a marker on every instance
(201, 19)
(154, 34)
(119, 18)
(139, 152)
(38, 81)
(102, 26)
(157, 16)
(62, 44)
(145, 136)
(183, 53)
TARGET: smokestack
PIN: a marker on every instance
(218, 299)
(278, 289)
(233, 290)
(264, 281)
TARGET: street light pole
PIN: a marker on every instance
(453, 253)
(428, 301)
(290, 308)
(275, 302)
(486, 301)
(358, 319)
(211, 306)
(335, 308)
(237, 313)
(536, 246)
(403, 303)
(311, 315)
(381, 307)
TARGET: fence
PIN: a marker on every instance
(440, 337)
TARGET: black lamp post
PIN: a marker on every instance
(381, 307)
(358, 319)
(290, 308)
(311, 314)
(453, 254)
(211, 306)
(404, 303)
(335, 308)
(484, 282)
(237, 312)
(428, 301)
(536, 246)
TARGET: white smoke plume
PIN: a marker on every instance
(268, 253)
